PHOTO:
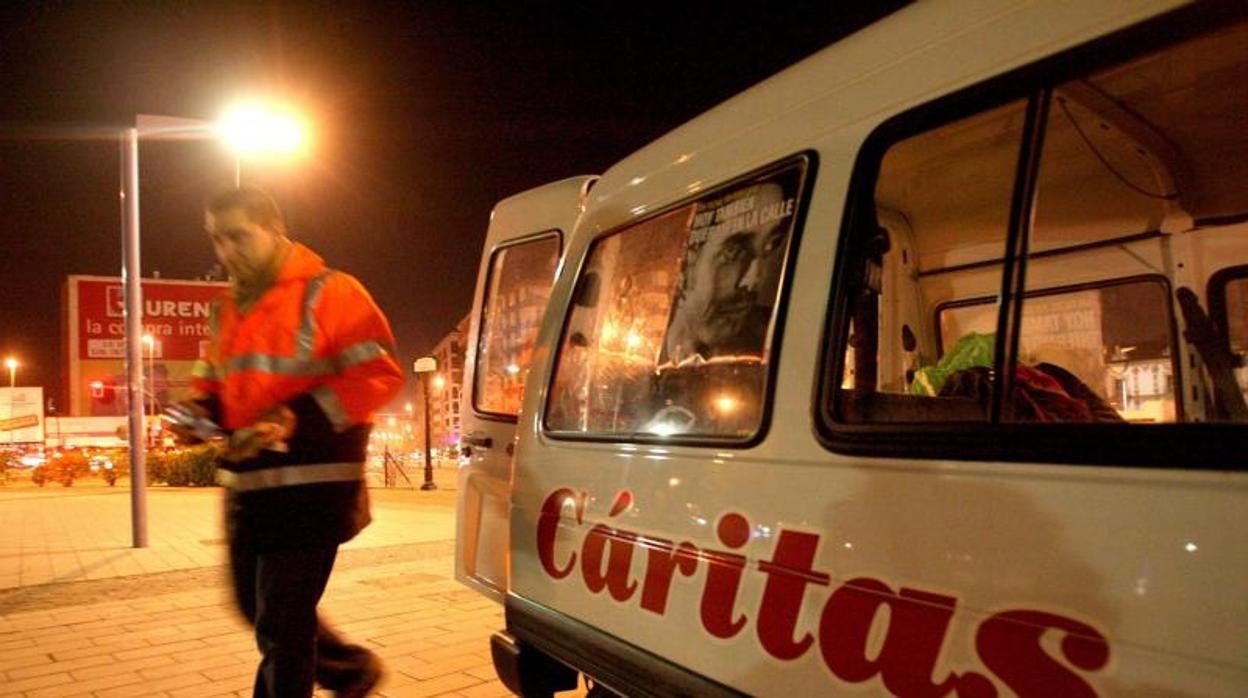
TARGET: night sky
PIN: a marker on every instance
(424, 115)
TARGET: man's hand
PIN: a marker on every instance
(271, 431)
(183, 432)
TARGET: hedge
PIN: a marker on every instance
(194, 467)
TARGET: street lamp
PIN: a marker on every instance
(267, 137)
(251, 129)
(424, 367)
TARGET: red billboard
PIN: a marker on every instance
(175, 315)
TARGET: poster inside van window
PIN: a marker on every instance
(730, 272)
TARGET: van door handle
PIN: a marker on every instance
(482, 441)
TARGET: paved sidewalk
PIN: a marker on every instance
(85, 615)
(44, 541)
(429, 630)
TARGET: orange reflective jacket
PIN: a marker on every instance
(316, 342)
(315, 331)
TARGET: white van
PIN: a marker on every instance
(917, 370)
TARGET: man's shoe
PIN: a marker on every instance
(370, 676)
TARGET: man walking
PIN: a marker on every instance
(300, 356)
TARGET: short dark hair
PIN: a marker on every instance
(255, 202)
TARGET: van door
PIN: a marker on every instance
(522, 252)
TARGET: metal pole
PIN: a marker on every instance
(429, 485)
(130, 276)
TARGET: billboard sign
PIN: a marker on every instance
(21, 415)
(175, 314)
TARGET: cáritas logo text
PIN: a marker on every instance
(1008, 643)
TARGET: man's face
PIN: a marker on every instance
(246, 249)
(735, 276)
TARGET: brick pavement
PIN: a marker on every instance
(430, 630)
(85, 615)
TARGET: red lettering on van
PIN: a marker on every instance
(788, 572)
(723, 578)
(917, 624)
(548, 529)
(662, 560)
(617, 547)
(1009, 645)
(918, 621)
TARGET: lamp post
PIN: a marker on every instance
(425, 367)
(11, 364)
(246, 130)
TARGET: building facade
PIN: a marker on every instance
(445, 387)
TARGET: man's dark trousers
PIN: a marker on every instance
(277, 592)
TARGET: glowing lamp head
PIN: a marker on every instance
(251, 129)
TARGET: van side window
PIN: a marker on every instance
(520, 279)
(942, 202)
(669, 335)
(1060, 242)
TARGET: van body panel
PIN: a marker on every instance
(1018, 537)
(785, 567)
(543, 215)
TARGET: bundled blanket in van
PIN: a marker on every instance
(1043, 393)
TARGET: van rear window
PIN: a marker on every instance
(520, 278)
(670, 332)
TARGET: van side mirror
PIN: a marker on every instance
(586, 295)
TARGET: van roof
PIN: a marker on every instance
(910, 57)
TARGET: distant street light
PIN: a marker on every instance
(247, 130)
(423, 367)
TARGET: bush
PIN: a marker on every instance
(195, 466)
(66, 466)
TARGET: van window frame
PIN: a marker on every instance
(1188, 446)
(779, 312)
(557, 234)
(1215, 297)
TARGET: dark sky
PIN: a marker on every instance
(425, 114)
